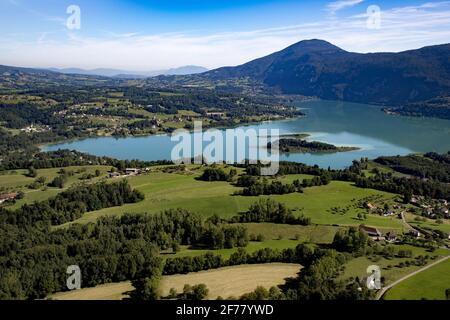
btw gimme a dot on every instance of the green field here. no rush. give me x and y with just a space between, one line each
429 284
18 181
226 253
330 208
173 190
322 234
390 269
428 224
166 188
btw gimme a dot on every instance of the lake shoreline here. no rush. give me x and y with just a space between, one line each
42 146
365 131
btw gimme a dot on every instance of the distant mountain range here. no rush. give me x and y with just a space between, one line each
318 68
116 73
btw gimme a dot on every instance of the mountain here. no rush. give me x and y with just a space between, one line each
124 74
17 77
185 70
95 72
319 68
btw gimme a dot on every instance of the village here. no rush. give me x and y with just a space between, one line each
431 208
419 206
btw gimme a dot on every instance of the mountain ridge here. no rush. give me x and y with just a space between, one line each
319 68
117 73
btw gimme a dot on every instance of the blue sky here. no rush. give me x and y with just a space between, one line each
151 35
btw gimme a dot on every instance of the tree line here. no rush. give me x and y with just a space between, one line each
254 186
432 188
268 210
71 204
68 158
405 186
217 174
429 166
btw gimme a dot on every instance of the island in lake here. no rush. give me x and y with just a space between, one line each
297 144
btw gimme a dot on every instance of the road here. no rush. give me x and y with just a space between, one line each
385 289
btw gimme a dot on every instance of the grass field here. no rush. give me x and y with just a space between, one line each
428 224
226 253
245 279
16 180
429 284
313 233
357 267
172 190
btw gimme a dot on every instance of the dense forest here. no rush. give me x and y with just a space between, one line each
33 259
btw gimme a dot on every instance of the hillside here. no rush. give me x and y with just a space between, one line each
318 68
28 78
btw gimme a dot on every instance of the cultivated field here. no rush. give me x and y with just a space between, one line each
110 291
224 282
233 281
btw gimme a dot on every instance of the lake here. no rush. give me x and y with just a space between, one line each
335 122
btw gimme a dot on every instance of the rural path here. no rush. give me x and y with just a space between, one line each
405 222
385 289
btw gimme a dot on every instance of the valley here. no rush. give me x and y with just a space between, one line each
327 211
88 179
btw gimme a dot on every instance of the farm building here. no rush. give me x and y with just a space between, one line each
370 231
132 171
7 196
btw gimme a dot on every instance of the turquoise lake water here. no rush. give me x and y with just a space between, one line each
339 123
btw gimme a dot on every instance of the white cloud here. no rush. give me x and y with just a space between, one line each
401 29
336 6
